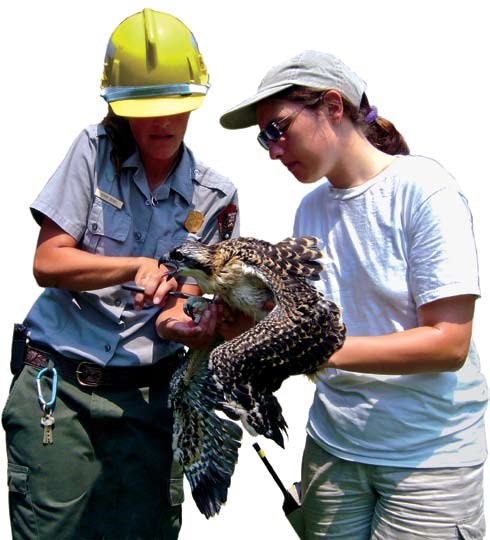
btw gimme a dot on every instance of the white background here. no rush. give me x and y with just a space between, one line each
426 66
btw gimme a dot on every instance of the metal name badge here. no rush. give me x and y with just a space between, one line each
108 198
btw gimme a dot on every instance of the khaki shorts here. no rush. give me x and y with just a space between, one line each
109 472
345 500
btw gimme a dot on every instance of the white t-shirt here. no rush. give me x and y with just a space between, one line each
399 241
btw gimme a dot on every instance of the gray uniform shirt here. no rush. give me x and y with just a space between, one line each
116 215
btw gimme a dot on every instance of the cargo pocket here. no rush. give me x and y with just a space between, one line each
472 528
176 484
21 509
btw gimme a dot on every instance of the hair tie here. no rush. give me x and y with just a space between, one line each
371 115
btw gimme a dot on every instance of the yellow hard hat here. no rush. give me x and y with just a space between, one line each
153 67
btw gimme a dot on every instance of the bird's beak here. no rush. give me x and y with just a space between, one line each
172 267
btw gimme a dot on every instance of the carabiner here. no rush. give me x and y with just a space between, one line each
47 405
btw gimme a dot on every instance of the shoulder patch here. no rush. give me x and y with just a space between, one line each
226 221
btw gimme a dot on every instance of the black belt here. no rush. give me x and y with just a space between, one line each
90 374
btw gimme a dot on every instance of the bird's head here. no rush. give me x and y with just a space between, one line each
192 259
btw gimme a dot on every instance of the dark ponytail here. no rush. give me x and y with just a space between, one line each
380 132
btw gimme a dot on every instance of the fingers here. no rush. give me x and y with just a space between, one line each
156 283
194 336
162 288
207 324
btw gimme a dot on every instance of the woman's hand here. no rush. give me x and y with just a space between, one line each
174 325
155 280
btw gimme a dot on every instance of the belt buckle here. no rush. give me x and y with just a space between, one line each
89 374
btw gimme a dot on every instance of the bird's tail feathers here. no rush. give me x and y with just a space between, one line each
205 444
210 477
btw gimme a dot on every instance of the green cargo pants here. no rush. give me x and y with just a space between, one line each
109 473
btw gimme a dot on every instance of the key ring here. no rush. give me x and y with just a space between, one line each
47 405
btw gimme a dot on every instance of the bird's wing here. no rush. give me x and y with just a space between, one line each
299 256
240 376
205 443
250 367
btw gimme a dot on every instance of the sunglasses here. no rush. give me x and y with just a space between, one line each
275 129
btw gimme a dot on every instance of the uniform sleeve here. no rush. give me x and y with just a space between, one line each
225 224
67 197
221 209
442 254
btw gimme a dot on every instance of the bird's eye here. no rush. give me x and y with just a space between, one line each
177 256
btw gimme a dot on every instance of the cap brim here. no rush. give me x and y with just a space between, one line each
243 115
156 106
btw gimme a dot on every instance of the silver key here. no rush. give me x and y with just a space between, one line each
47 422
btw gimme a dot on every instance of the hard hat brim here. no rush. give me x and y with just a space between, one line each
156 106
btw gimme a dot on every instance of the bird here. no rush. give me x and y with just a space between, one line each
216 392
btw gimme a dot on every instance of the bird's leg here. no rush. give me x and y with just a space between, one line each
195 306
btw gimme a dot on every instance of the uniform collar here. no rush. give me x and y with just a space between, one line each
180 180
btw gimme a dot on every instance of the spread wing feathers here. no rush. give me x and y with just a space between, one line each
294 256
238 377
205 444
288 342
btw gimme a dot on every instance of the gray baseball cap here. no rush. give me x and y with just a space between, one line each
311 69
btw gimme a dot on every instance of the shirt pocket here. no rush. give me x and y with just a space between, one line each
107 230
20 500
